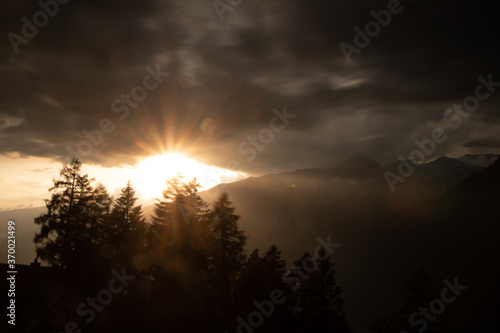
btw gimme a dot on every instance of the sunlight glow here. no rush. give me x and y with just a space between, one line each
34 176
151 174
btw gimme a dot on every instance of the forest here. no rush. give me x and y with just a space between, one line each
191 263
185 270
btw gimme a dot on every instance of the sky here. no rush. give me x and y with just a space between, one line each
255 87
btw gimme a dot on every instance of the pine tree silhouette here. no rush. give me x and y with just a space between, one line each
225 257
73 223
126 229
320 307
177 252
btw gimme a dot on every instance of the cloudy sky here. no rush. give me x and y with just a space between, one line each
227 79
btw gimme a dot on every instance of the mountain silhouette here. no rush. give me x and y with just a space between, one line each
381 245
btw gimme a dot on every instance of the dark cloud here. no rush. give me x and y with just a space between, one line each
483 143
226 78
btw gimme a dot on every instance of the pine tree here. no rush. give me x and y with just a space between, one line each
226 256
272 257
127 227
250 281
71 227
178 255
260 277
180 220
320 307
196 214
99 206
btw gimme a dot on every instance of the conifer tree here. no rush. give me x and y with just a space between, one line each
226 256
320 307
72 225
261 277
127 227
250 281
180 221
272 257
177 252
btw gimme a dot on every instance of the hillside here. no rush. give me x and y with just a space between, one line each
384 237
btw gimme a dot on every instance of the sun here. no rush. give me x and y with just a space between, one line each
168 165
151 174
154 171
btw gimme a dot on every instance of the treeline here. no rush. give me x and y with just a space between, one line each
185 270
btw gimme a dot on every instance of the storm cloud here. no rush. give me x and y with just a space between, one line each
225 79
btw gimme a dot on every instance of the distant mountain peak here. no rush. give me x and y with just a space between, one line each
445 161
358 168
366 161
